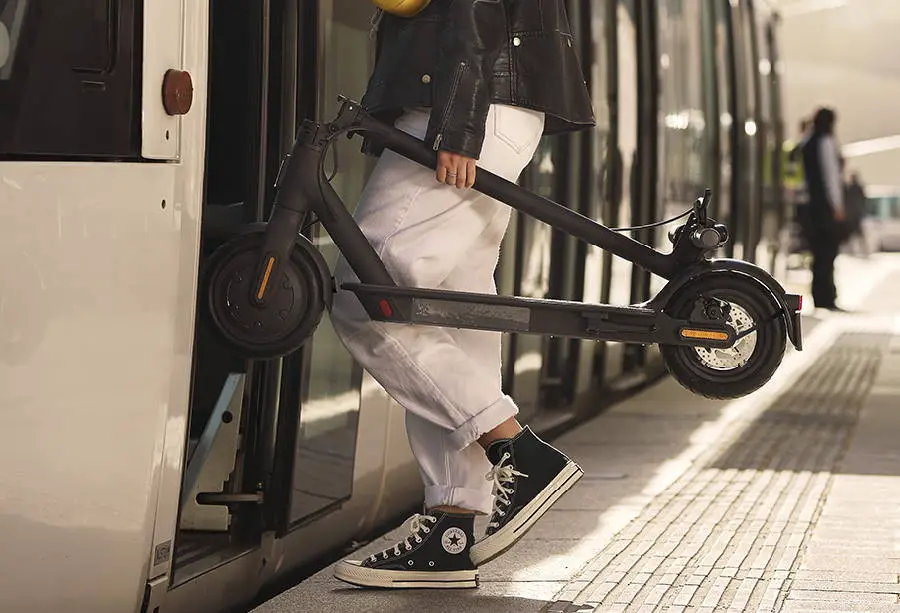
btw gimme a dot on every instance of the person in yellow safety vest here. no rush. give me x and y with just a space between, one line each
794 181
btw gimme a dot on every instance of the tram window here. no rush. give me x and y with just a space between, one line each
87 43
67 85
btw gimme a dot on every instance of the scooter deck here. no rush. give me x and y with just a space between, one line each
628 324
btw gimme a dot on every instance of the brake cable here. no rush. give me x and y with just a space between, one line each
655 224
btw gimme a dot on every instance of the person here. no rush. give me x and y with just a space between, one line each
855 199
822 173
480 82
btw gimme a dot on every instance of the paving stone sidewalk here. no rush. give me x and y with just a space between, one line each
739 530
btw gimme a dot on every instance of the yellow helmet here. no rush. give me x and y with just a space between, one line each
401 8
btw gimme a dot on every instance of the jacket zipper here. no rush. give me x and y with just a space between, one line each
457 75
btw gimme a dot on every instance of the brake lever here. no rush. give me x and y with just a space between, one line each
700 207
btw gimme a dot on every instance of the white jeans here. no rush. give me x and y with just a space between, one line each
434 235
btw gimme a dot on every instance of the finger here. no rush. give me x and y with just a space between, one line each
460 173
452 171
440 172
470 173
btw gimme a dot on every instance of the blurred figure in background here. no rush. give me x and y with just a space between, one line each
855 201
822 175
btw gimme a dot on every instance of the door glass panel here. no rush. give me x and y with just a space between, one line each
527 273
768 137
750 175
326 439
596 187
563 356
620 213
684 128
619 209
597 204
723 205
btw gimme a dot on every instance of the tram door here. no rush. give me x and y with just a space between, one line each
272 442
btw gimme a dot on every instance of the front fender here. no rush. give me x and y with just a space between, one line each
790 303
304 244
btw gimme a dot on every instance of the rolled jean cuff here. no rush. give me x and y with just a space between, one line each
481 501
484 421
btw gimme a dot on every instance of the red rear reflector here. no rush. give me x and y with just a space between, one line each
385 308
800 303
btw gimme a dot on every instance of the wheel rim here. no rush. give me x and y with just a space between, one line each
737 355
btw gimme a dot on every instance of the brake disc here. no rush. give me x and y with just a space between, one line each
737 355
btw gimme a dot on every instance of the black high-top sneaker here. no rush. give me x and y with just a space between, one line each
435 554
529 477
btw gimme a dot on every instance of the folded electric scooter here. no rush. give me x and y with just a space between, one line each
721 324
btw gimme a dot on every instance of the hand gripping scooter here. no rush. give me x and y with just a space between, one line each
722 324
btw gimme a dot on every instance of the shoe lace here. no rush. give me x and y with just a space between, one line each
416 525
501 474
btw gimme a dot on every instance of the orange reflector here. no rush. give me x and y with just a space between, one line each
262 287
704 334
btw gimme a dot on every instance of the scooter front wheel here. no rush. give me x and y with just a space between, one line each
290 314
751 361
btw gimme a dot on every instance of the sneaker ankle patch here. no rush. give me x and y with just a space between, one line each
454 540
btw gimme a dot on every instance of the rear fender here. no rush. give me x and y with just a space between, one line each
790 304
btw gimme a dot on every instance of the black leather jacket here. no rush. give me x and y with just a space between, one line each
459 56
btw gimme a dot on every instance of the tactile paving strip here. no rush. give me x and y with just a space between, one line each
726 536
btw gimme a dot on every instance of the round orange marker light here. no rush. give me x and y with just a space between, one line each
177 92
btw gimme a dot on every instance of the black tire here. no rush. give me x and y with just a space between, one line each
292 312
685 364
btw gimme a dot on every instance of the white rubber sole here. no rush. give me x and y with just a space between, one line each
492 546
350 571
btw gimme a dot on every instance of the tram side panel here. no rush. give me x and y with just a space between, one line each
98 275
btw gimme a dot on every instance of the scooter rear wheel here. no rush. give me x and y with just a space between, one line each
290 314
751 361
